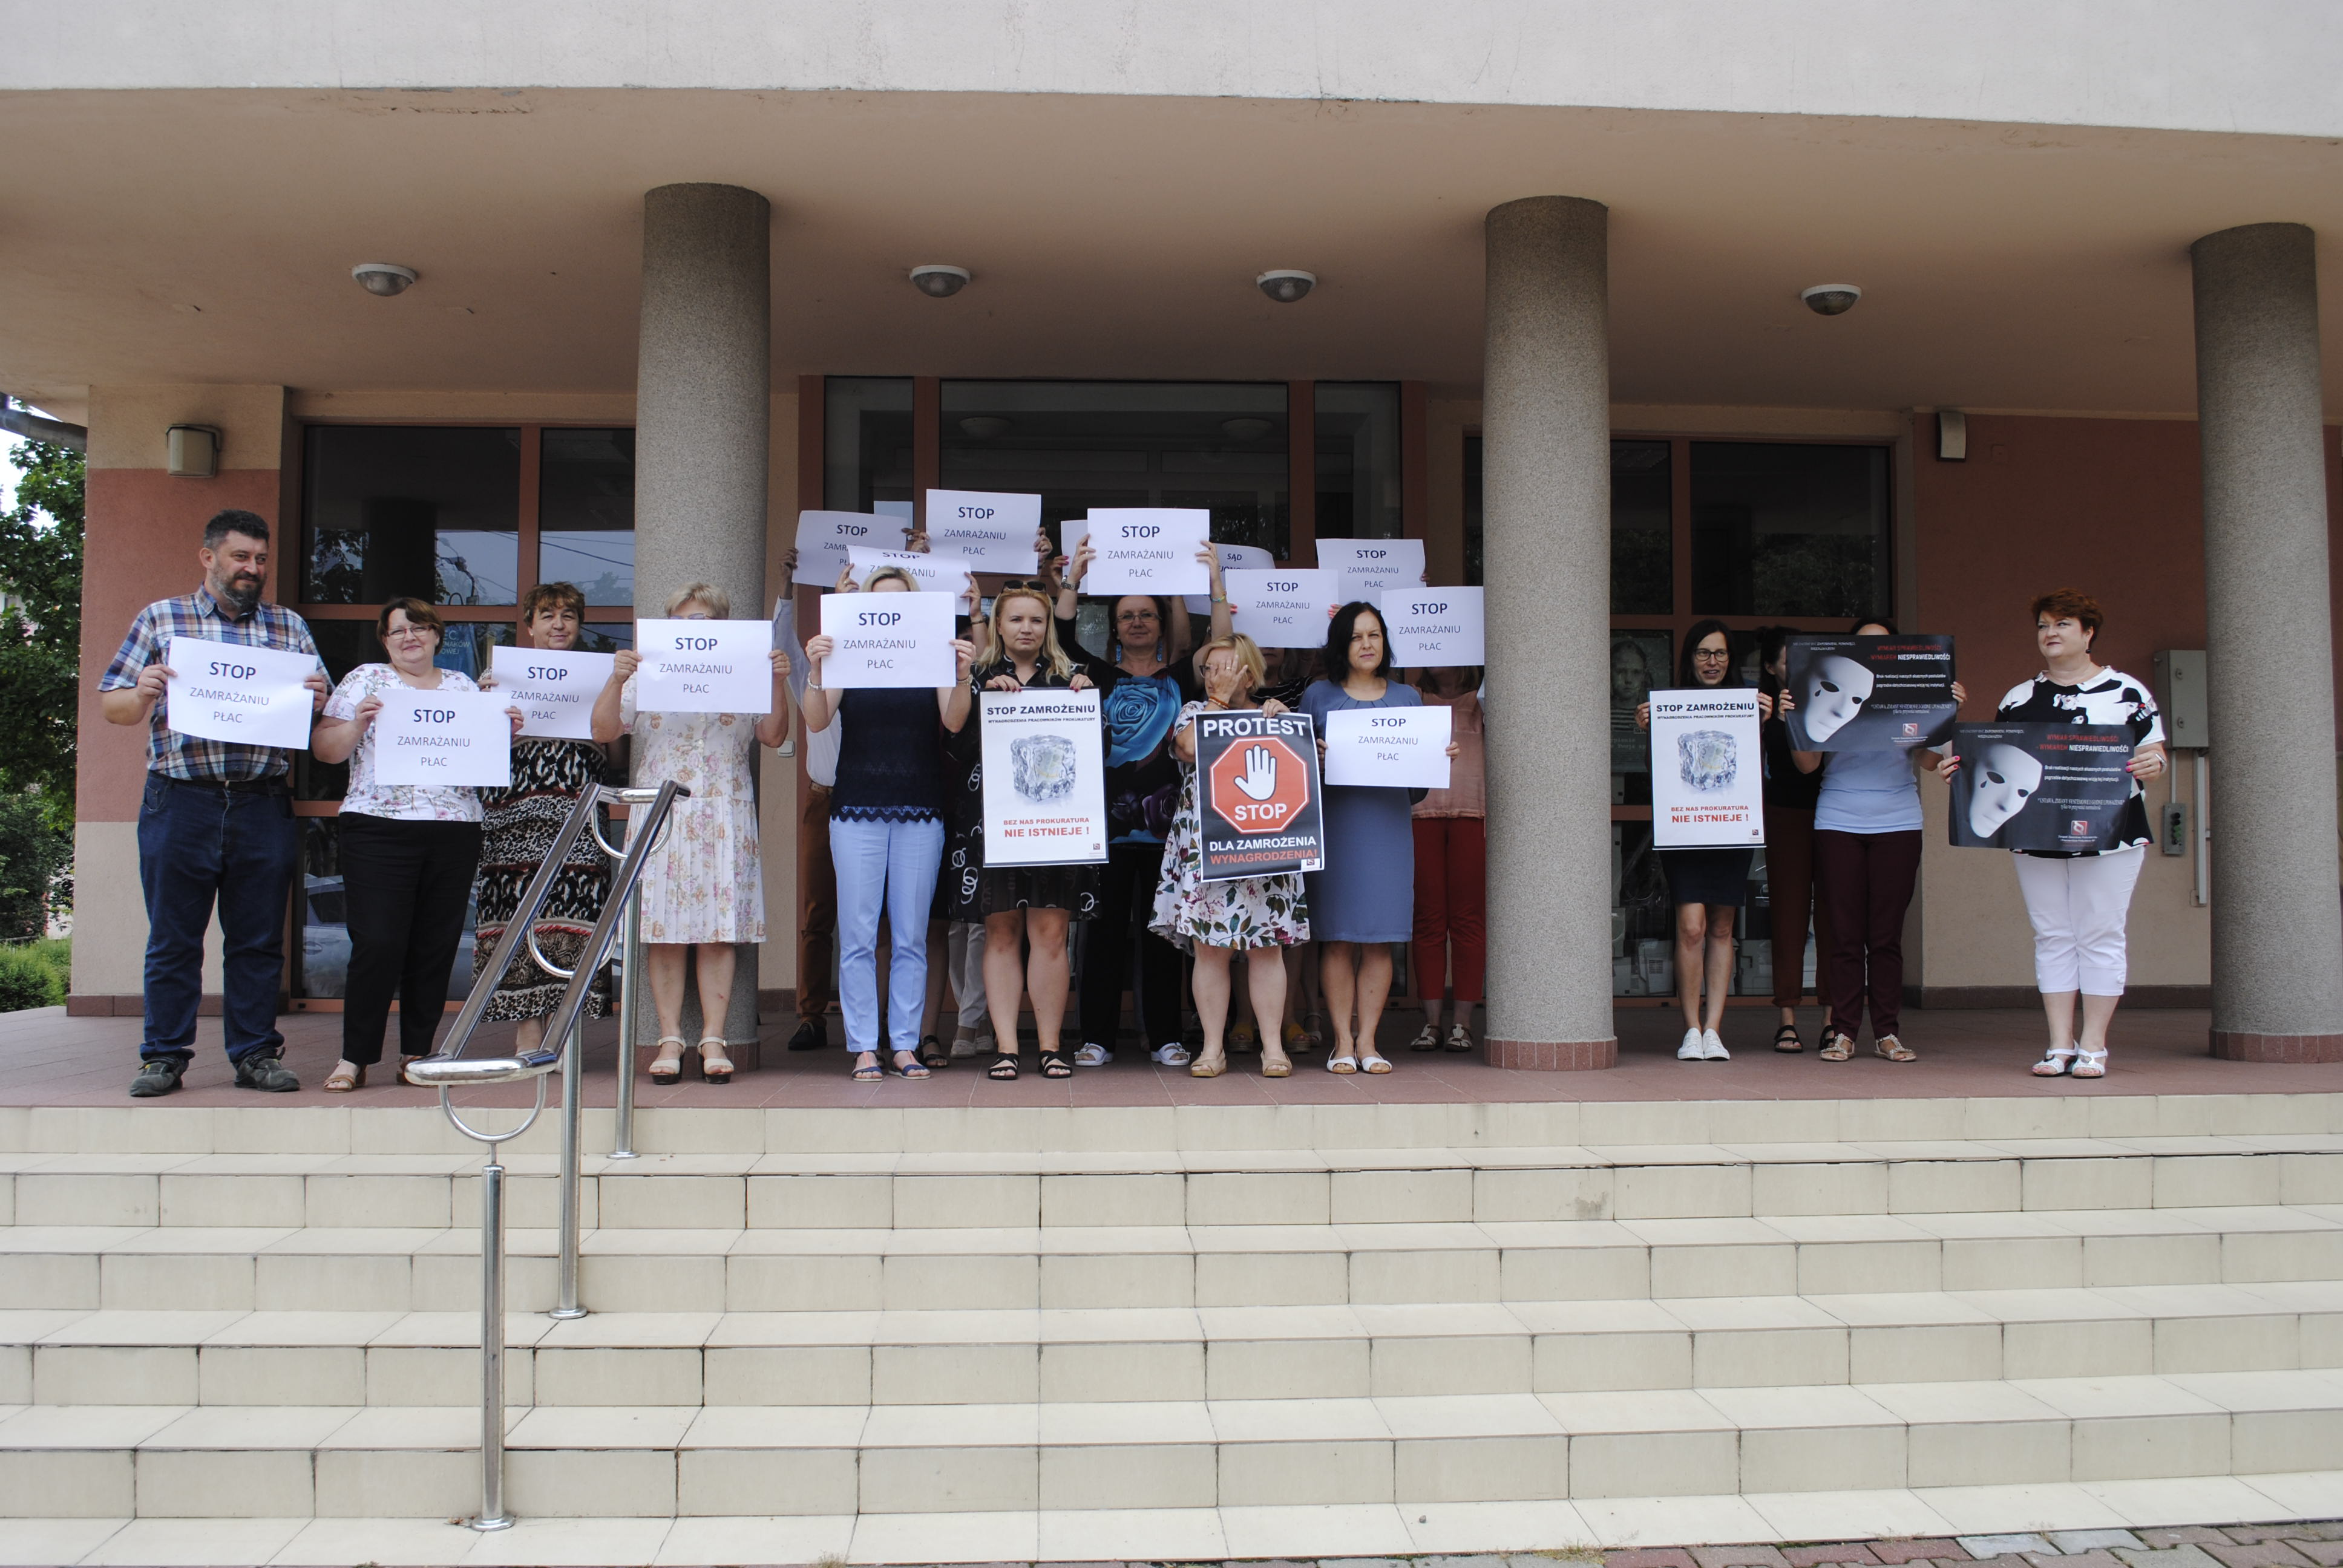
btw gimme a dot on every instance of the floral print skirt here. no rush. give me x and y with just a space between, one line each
1257 912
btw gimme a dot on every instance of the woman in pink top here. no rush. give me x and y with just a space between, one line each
1452 939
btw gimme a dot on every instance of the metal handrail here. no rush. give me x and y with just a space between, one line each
448 1069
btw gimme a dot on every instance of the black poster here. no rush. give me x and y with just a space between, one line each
1257 795
1870 693
2040 786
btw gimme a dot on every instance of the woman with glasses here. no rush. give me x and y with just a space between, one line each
1706 886
703 890
886 839
1144 686
407 854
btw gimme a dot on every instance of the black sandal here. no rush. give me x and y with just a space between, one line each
1003 1069
933 1054
1787 1041
1057 1064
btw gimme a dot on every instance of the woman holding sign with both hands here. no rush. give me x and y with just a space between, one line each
407 854
703 887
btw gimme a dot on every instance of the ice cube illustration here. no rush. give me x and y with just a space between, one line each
1708 760
1045 767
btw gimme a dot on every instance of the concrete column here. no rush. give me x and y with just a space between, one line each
2278 930
1546 424
702 423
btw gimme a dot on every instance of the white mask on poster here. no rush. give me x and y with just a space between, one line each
1834 692
2005 780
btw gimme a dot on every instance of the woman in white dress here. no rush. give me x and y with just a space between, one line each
701 889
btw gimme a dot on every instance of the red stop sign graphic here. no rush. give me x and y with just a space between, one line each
1260 786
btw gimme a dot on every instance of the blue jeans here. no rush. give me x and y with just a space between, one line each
198 844
891 865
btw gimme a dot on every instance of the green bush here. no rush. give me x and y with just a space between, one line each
27 978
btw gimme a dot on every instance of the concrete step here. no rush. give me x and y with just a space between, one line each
1133 1355
654 1462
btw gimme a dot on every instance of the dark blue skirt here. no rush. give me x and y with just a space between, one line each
1706 876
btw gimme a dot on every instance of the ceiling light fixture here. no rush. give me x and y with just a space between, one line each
384 279
938 281
1286 284
1831 298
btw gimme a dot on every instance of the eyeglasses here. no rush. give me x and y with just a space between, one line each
1710 655
1007 583
1132 617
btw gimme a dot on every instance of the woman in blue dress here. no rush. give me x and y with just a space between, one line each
1364 900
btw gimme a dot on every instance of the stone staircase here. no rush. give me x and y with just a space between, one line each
273 1312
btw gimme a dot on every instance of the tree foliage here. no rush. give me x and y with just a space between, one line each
40 631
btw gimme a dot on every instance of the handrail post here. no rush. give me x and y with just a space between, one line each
630 967
573 1101
492 1515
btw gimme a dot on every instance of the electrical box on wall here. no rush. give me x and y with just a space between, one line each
2180 693
2174 835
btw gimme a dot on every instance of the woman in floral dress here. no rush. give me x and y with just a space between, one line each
518 827
1260 917
702 888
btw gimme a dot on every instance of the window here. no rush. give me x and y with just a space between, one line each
1358 488
586 513
411 511
866 443
1785 530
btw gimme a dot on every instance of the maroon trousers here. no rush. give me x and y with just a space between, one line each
1866 881
1451 937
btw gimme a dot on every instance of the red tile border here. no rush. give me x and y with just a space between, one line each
1553 1055
2237 1045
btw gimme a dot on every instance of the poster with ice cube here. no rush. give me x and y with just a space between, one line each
1044 778
1708 789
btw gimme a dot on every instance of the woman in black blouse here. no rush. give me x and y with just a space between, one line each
886 838
1790 795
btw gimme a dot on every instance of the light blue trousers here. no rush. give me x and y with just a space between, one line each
890 866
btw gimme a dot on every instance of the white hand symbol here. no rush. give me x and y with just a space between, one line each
1260 780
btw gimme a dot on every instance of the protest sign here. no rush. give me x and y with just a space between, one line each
992 533
704 665
1391 748
231 691
1363 568
889 639
824 538
1287 607
1044 778
2037 786
1257 795
1148 549
1234 558
445 737
1869 693
553 691
1430 628
1707 770
934 574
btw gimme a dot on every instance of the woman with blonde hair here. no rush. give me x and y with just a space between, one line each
702 888
1259 917
1019 904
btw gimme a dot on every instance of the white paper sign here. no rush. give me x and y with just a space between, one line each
1071 535
227 692
887 639
824 537
704 666
1707 770
445 737
1395 748
1148 549
555 690
934 574
1363 568
992 533
1234 558
1285 608
1428 628
1044 778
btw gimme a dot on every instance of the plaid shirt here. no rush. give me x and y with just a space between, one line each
199 614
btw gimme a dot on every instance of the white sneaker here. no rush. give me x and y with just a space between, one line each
1693 1049
1713 1048
1093 1056
1172 1055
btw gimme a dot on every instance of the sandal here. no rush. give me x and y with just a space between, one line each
673 1064
1891 1049
1427 1039
933 1053
1374 1064
869 1071
345 1076
1242 1039
1209 1065
1004 1067
1788 1040
1837 1046
1313 1028
915 1069
2055 1063
404 1063
1057 1064
716 1068
1296 1038
1281 1068
2090 1064
1345 1063
1459 1038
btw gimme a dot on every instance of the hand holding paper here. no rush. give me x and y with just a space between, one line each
229 691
